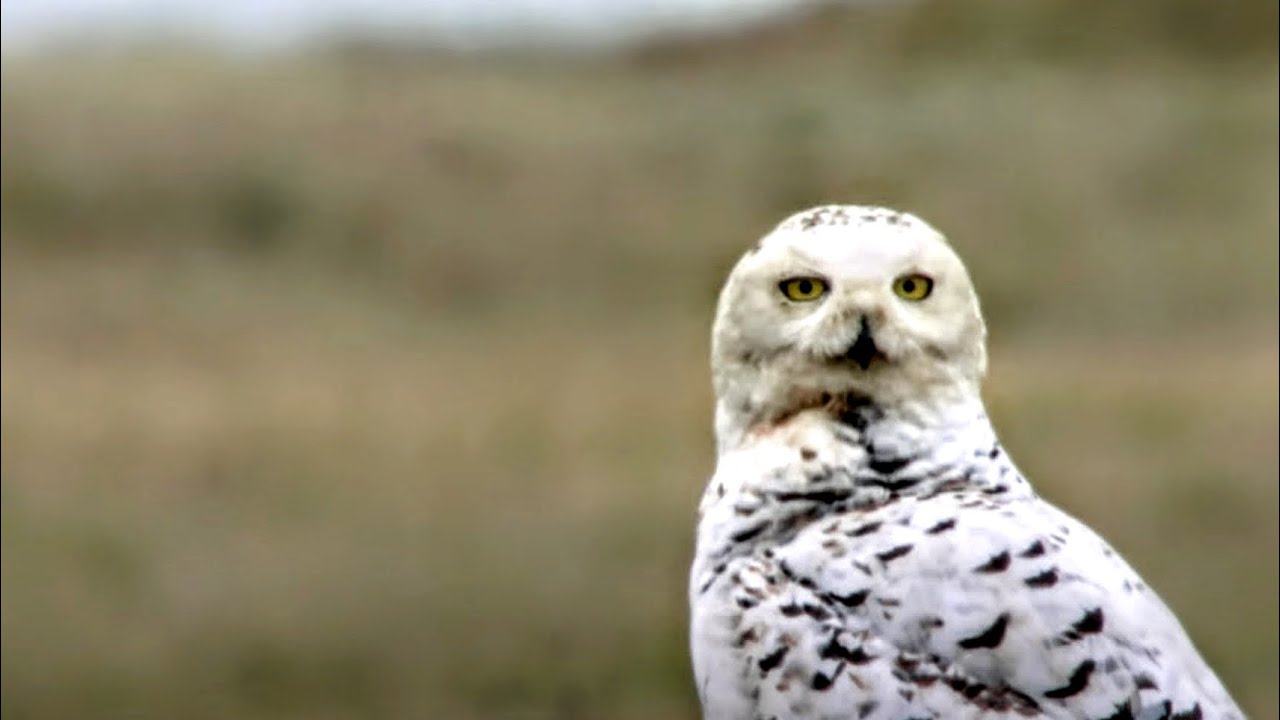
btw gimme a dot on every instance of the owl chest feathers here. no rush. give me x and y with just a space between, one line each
840 461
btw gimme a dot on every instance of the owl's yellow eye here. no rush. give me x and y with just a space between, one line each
913 287
803 289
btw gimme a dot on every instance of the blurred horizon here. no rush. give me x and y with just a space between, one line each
284 25
368 378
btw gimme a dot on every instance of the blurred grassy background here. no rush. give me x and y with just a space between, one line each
371 381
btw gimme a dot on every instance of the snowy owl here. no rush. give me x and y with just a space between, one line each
866 548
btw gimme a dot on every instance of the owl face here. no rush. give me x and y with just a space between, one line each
846 298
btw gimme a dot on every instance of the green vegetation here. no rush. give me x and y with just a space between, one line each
372 382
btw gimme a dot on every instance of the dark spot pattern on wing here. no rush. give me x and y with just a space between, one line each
835 650
887 466
1035 549
1091 622
773 659
865 529
823 682
822 497
942 526
997 563
1048 578
1192 714
852 600
893 553
1076 684
893 486
815 611
749 533
989 638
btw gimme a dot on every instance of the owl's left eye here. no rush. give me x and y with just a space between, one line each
913 287
803 289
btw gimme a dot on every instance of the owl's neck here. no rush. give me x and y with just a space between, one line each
872 449
850 454
923 411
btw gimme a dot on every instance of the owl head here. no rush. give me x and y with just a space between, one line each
844 300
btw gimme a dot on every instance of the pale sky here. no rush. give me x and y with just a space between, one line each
274 23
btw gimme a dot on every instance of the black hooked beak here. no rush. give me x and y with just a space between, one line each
863 350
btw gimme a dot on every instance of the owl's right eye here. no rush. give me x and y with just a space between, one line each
803 289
